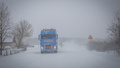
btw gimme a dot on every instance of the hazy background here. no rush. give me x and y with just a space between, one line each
71 18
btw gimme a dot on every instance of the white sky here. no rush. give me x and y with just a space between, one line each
71 18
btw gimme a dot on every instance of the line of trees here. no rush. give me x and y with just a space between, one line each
113 42
22 30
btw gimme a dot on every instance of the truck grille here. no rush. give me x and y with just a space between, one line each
48 47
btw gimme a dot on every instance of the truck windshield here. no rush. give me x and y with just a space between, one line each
47 36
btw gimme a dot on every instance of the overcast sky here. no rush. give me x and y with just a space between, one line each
71 18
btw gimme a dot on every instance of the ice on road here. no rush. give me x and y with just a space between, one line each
70 55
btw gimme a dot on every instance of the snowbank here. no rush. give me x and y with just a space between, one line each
11 51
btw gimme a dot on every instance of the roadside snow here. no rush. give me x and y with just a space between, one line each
70 55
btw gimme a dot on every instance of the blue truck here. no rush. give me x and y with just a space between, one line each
48 40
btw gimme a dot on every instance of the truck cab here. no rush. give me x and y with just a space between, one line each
48 40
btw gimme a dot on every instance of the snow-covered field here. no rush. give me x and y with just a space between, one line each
70 55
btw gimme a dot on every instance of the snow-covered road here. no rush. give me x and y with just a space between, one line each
70 55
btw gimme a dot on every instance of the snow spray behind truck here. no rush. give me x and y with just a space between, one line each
48 40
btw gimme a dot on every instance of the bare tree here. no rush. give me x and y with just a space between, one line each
114 28
22 30
4 24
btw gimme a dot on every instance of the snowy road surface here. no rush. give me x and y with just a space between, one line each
70 55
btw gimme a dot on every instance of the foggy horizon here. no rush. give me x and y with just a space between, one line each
71 19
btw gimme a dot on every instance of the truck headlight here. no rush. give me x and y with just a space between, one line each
54 47
41 48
